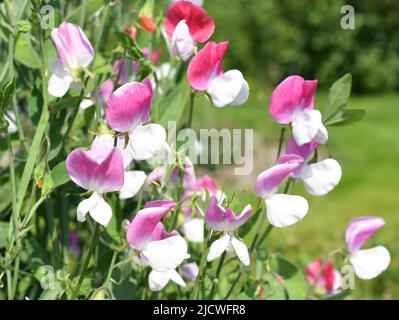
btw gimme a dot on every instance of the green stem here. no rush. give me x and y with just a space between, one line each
93 243
191 109
219 268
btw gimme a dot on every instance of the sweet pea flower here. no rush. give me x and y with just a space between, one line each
224 220
293 102
128 110
185 25
75 52
198 3
320 177
163 252
329 280
133 180
131 31
205 73
148 23
367 263
282 209
97 173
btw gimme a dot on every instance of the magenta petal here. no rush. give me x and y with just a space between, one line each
234 221
205 183
360 229
110 173
73 47
215 216
143 224
159 233
200 25
269 180
292 95
85 171
166 204
206 64
129 106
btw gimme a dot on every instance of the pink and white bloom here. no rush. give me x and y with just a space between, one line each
205 73
185 25
164 252
97 173
319 178
282 209
128 111
293 102
75 52
224 220
367 263
133 179
330 279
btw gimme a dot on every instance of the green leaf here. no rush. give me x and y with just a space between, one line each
3 233
346 117
60 175
338 95
25 53
91 7
6 94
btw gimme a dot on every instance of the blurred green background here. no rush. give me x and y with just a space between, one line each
272 39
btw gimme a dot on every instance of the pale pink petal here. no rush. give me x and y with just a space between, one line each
129 106
234 221
268 181
292 95
206 65
105 91
73 47
360 230
215 216
159 233
304 151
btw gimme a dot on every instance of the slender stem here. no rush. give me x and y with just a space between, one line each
191 109
111 267
280 142
219 268
93 243
202 266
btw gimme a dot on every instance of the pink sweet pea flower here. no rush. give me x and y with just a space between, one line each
205 73
293 102
98 173
74 51
155 55
185 25
163 251
329 280
282 209
133 180
367 263
224 220
318 178
128 110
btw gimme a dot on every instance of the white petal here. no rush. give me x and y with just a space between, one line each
60 80
134 180
158 280
166 254
12 122
226 88
86 205
146 141
193 229
307 126
321 177
87 102
370 263
181 43
218 247
241 250
175 277
284 210
242 96
101 212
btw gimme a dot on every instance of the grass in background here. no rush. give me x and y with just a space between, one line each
369 154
